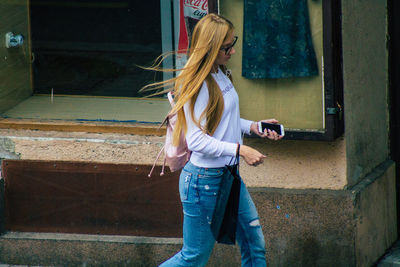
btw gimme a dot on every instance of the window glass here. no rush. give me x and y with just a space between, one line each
94 47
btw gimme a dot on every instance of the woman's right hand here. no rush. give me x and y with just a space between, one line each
251 156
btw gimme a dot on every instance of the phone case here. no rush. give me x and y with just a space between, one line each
281 128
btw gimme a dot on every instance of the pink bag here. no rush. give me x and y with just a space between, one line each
175 156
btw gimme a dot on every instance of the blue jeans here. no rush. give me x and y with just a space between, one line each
198 188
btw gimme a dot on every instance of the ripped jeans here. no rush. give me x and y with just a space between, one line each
198 189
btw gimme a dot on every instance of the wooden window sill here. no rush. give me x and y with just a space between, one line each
90 127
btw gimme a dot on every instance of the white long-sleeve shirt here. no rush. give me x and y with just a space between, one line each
217 150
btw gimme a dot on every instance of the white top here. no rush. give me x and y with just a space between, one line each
217 150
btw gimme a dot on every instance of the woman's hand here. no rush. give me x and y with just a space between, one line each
251 156
267 133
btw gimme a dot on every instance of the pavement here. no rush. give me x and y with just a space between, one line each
390 259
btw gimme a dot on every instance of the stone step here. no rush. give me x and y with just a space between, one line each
55 249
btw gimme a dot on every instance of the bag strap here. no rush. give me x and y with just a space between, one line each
154 164
172 103
236 158
171 99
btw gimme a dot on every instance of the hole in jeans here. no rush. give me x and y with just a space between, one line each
255 223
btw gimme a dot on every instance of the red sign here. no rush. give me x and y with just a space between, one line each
195 9
190 12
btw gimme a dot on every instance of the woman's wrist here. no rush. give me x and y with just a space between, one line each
242 150
253 127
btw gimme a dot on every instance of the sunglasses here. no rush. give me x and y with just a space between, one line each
229 48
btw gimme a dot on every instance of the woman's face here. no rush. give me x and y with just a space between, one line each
226 50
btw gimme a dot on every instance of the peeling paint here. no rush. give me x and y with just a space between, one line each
7 149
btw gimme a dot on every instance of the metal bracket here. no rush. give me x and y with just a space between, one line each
335 110
332 111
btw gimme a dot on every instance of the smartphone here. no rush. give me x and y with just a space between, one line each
278 128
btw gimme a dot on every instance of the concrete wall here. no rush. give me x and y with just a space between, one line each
301 228
365 79
376 214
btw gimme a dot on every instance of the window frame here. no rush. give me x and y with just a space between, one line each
333 77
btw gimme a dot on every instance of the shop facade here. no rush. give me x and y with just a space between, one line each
326 193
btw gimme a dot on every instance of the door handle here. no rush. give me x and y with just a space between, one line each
14 40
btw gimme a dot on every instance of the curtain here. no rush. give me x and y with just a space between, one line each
277 40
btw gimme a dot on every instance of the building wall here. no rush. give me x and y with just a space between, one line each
290 164
301 227
365 78
304 227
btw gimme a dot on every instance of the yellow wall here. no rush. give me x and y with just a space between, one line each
295 102
15 74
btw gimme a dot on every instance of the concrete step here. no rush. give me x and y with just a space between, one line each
392 257
55 249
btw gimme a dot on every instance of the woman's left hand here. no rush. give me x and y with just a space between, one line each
272 135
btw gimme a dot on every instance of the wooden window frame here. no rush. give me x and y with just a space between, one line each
333 77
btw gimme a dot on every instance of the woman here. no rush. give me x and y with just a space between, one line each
208 112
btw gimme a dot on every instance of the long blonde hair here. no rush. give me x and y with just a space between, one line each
208 36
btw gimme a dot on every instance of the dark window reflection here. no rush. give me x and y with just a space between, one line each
92 47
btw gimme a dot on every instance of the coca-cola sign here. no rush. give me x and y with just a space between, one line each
195 9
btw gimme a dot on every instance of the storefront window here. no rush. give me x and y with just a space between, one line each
81 59
94 47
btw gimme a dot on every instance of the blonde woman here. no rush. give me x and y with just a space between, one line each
208 113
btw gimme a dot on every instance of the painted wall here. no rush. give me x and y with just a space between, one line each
365 70
15 75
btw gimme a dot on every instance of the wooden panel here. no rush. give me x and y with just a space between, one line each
15 63
91 198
